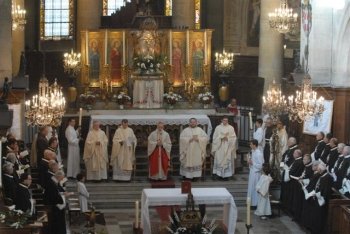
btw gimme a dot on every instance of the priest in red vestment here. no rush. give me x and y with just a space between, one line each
159 147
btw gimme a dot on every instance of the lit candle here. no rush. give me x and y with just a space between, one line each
188 46
250 121
124 48
106 42
80 115
205 47
170 48
248 211
87 47
136 214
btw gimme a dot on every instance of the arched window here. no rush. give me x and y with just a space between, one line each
111 6
168 7
56 19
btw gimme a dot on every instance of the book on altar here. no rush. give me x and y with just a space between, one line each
186 186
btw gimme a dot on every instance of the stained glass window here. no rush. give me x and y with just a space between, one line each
197 10
56 19
168 7
111 6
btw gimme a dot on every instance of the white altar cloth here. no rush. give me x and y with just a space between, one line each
173 196
153 120
148 91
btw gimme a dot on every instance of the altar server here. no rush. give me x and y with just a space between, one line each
224 149
255 161
193 144
95 153
123 152
72 135
259 134
83 193
262 187
159 148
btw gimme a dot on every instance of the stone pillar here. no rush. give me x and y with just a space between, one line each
183 14
89 14
270 46
5 40
17 44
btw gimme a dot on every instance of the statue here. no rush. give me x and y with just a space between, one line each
22 65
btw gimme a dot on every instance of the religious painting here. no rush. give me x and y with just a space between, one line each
253 25
115 57
322 122
94 57
197 57
177 55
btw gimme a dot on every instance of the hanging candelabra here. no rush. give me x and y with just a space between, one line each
47 107
224 62
283 19
72 62
274 104
18 17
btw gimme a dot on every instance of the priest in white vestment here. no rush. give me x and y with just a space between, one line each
256 161
95 153
224 149
282 143
259 134
123 152
159 148
73 162
193 144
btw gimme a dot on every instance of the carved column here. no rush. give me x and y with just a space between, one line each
183 14
5 40
17 43
271 46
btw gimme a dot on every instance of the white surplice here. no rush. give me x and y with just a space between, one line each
73 162
192 154
262 187
123 153
257 158
152 144
96 156
83 196
259 136
224 151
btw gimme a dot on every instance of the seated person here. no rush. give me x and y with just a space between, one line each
9 183
23 198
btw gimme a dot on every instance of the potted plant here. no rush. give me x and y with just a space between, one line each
123 99
171 98
206 99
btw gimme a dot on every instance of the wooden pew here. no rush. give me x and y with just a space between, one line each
335 213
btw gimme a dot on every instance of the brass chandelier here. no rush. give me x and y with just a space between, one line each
224 62
282 19
274 104
72 62
47 107
18 17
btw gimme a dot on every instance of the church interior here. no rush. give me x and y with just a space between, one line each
174 116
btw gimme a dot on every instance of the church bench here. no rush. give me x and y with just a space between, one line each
335 214
73 208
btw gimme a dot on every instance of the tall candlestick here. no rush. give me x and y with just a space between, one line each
250 121
87 47
205 48
106 42
248 211
80 115
188 47
136 214
170 48
124 48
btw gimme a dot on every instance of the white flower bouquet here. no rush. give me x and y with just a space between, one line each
149 64
171 98
205 98
123 98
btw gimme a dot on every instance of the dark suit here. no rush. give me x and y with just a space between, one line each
9 186
43 167
41 145
22 198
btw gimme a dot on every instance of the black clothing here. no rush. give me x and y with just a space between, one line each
41 145
43 167
22 198
268 135
342 171
319 149
295 195
325 153
9 186
332 158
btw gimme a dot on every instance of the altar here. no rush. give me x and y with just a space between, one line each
148 91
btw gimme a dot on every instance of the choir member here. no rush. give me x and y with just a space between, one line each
262 187
333 154
9 183
282 143
327 148
339 159
308 169
259 134
95 153
42 142
44 166
341 172
319 147
82 192
159 148
224 149
53 167
12 159
123 152
255 161
72 136
193 144
23 198
267 135
52 133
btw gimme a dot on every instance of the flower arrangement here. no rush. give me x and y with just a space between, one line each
205 227
14 218
123 98
205 98
87 100
149 64
171 98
